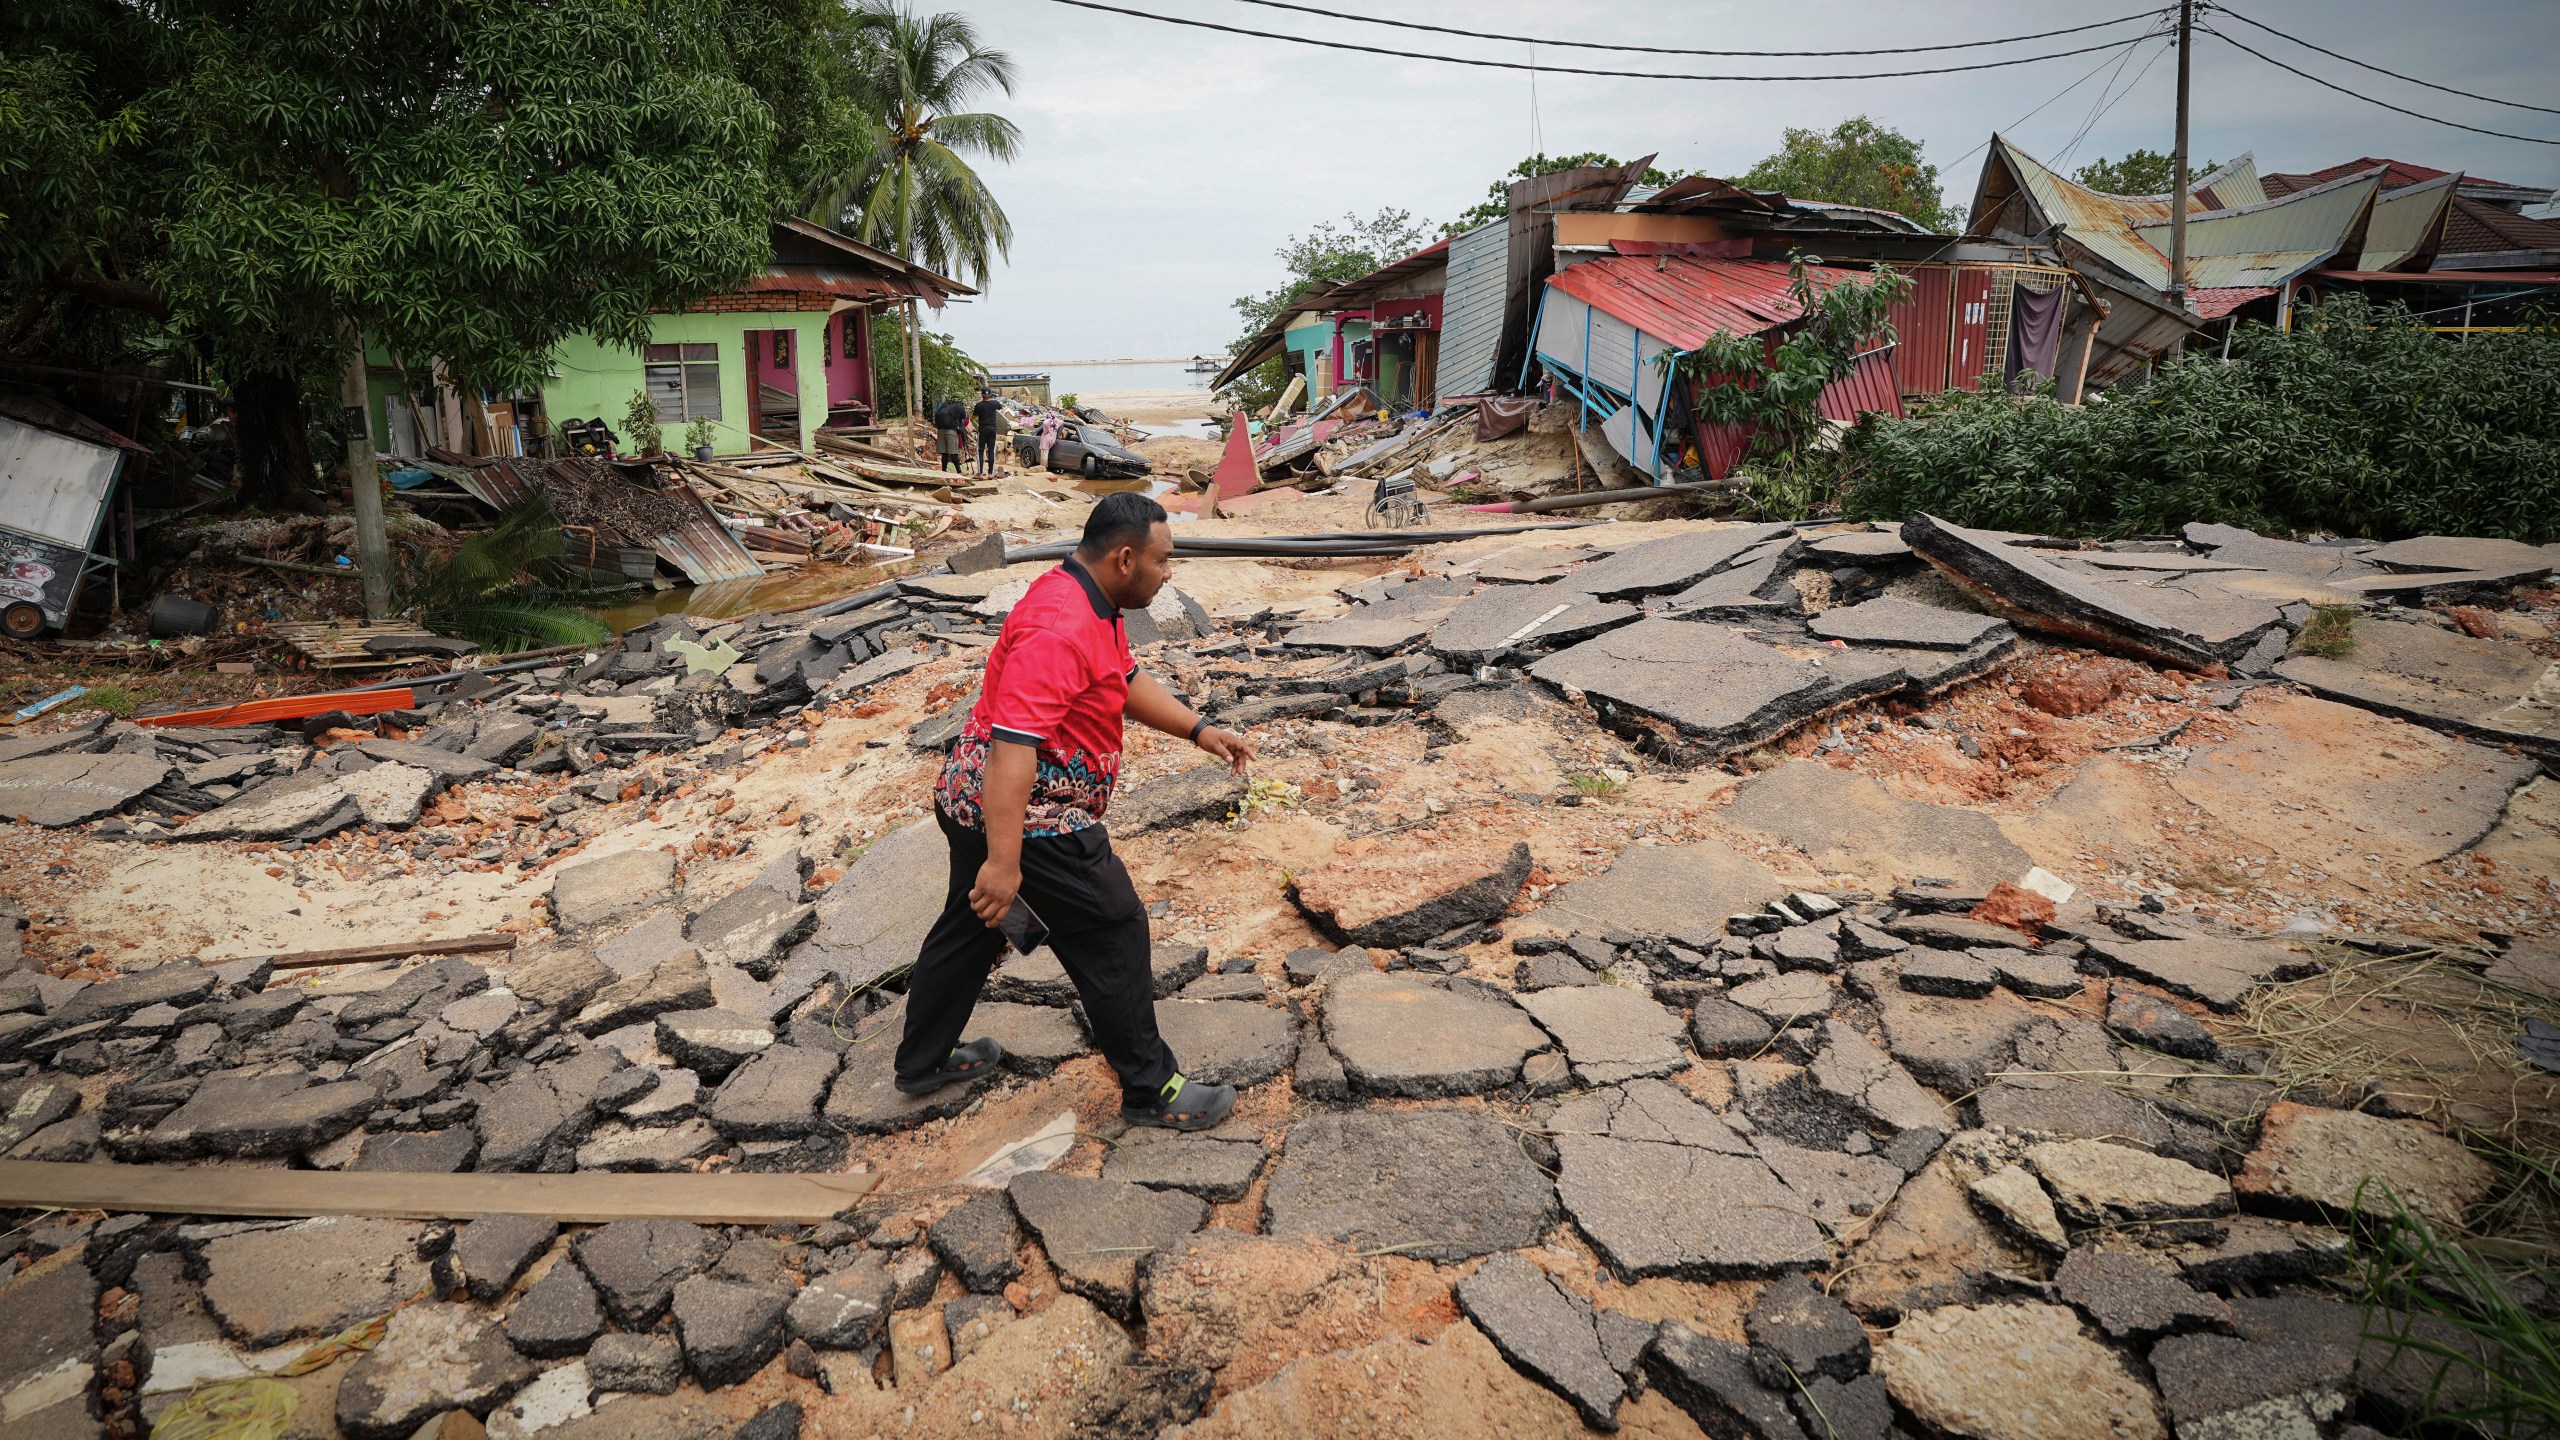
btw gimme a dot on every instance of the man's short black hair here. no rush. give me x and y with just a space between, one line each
1123 518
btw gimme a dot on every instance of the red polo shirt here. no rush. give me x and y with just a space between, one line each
1057 679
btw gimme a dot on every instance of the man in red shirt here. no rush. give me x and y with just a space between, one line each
1021 802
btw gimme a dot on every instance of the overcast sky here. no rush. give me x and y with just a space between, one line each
1162 165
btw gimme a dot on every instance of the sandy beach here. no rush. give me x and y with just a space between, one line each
1150 407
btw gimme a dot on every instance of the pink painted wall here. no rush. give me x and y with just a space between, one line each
848 376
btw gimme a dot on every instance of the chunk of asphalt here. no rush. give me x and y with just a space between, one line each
1440 1185
636 1263
2135 1297
493 1250
2152 1022
729 1329
1400 1035
1798 1331
1713 1381
1097 1231
977 1239
557 1315
1961 974
844 1309
1548 1333
1217 1170
1722 1030
432 1358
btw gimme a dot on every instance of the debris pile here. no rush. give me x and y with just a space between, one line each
1588 1082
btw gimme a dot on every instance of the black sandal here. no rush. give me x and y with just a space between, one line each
1184 1105
967 1062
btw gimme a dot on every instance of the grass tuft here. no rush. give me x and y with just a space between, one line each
2331 633
2491 1363
114 699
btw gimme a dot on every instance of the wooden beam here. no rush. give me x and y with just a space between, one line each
358 955
591 1197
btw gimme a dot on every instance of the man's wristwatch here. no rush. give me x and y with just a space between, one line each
1196 727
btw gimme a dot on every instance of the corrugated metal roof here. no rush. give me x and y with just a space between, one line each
1471 309
2273 241
2214 304
2406 222
2445 277
808 236
2103 223
699 546
1434 254
1684 301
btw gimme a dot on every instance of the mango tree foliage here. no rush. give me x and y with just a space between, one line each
469 183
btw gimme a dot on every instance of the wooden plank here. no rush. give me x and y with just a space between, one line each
359 954
587 1198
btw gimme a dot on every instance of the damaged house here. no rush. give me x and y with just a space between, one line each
2452 247
769 364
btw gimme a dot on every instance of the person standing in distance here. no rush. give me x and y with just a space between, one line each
989 415
1021 803
950 418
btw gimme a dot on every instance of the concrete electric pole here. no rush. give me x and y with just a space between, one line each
2178 159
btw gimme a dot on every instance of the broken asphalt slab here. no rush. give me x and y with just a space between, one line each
1657 890
1673 562
1403 1035
1702 691
874 919
58 790
1441 1185
1501 618
1846 822
2038 594
2480 689
1408 892
1901 623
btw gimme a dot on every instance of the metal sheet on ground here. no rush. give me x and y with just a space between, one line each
588 1198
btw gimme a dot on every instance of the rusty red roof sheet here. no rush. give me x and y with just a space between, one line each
1686 301
2214 304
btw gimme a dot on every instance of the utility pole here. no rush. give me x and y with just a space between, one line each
364 481
2178 196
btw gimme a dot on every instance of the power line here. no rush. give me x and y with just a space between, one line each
2030 115
1570 70
2369 65
2097 107
2369 100
1673 50
2101 112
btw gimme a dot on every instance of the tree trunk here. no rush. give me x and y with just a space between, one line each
364 481
915 360
275 452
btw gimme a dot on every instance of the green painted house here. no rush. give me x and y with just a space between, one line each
767 365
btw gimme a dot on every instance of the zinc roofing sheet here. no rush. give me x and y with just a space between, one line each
1685 301
2403 220
2269 243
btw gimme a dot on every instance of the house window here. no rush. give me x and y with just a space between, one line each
684 381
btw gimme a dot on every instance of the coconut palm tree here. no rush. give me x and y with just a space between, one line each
917 194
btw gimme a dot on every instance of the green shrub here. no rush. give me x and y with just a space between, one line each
2359 421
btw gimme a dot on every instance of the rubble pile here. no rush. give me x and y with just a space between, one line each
1568 1119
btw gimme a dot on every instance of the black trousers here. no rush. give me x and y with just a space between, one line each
987 453
1097 928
